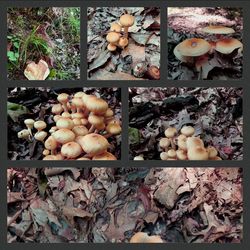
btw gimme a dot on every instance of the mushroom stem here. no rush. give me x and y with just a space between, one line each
65 108
92 129
126 32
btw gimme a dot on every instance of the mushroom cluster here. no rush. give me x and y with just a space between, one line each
185 146
196 50
83 123
118 34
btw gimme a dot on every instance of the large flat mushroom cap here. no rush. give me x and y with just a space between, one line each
218 29
193 47
180 57
227 46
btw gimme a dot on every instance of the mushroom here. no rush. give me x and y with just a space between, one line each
113 38
116 27
95 121
71 150
194 142
197 153
64 123
78 103
104 156
141 237
63 99
96 105
170 133
227 46
181 155
38 71
218 30
40 125
171 153
164 143
126 21
51 144
40 135
29 124
57 109
93 144
182 142
24 134
123 42
66 115
212 152
111 47
80 130
164 156
187 131
153 73
113 129
63 135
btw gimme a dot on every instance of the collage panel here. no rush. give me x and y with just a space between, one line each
205 43
186 123
123 43
64 123
125 205
43 43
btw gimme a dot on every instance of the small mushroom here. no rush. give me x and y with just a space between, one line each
126 21
29 124
71 150
111 47
64 123
63 99
197 154
227 46
24 134
123 42
113 129
40 125
116 27
40 135
141 237
63 135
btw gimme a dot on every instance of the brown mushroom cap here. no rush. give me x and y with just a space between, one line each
57 109
116 27
113 37
40 125
95 119
197 154
194 142
227 46
193 47
64 122
181 155
93 144
62 98
50 143
80 130
212 152
171 153
77 102
141 237
127 20
164 156
77 115
181 57
164 142
114 128
218 29
111 47
109 113
104 156
64 135
123 42
170 132
187 130
66 115
79 94
96 105
71 150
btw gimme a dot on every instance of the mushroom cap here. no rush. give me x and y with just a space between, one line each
64 135
193 47
123 42
212 152
227 46
40 125
116 27
62 98
80 130
181 57
57 109
111 47
127 20
182 142
171 153
23 134
29 122
77 115
93 144
50 158
50 143
46 152
194 142
56 118
181 155
106 156
113 37
71 150
40 135
53 129
96 105
83 159
79 94
141 237
164 142
66 115
218 29
39 71
78 102
139 158
64 122
95 119
164 156
197 154
77 121
109 113
187 130
114 128
170 132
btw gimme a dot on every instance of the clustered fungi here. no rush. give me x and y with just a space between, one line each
83 124
185 146
118 35
196 50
